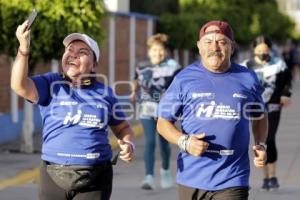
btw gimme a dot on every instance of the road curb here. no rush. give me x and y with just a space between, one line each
32 175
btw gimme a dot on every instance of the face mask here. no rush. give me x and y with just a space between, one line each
263 57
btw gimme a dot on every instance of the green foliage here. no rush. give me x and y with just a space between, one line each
273 24
248 19
182 29
55 20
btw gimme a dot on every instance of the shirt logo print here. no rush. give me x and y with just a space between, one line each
73 120
217 111
239 95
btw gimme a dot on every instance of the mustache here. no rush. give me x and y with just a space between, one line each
215 53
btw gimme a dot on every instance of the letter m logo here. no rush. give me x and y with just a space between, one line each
72 120
206 110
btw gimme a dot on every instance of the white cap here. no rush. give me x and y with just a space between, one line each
86 39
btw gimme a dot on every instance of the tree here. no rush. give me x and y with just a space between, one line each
154 7
55 20
248 19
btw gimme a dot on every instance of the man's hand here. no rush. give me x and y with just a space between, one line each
127 150
260 156
196 145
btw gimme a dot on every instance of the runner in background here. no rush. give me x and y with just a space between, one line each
153 76
276 78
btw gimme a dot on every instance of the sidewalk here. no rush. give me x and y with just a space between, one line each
288 144
128 177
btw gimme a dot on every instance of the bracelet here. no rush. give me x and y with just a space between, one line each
188 142
23 53
183 142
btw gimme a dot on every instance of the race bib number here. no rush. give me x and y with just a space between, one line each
148 109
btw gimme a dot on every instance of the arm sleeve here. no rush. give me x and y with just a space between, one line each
42 84
285 77
136 76
170 106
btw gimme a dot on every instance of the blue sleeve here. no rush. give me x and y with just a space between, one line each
42 84
117 114
170 106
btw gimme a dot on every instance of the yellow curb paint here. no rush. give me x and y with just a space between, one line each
26 176
32 175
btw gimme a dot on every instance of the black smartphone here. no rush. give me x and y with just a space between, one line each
31 18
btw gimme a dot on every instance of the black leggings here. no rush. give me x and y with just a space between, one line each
274 119
99 189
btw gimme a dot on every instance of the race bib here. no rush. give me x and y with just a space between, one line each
148 109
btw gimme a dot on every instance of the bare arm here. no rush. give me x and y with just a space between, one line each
123 131
260 129
168 130
125 136
260 133
20 82
196 145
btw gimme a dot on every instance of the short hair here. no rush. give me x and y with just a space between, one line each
159 38
261 40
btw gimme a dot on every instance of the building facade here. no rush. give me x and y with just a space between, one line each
291 8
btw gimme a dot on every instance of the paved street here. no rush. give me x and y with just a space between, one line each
128 176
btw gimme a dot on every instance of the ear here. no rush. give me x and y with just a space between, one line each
233 47
198 44
232 51
148 52
94 67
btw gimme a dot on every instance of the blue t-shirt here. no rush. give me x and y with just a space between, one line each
75 121
219 105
